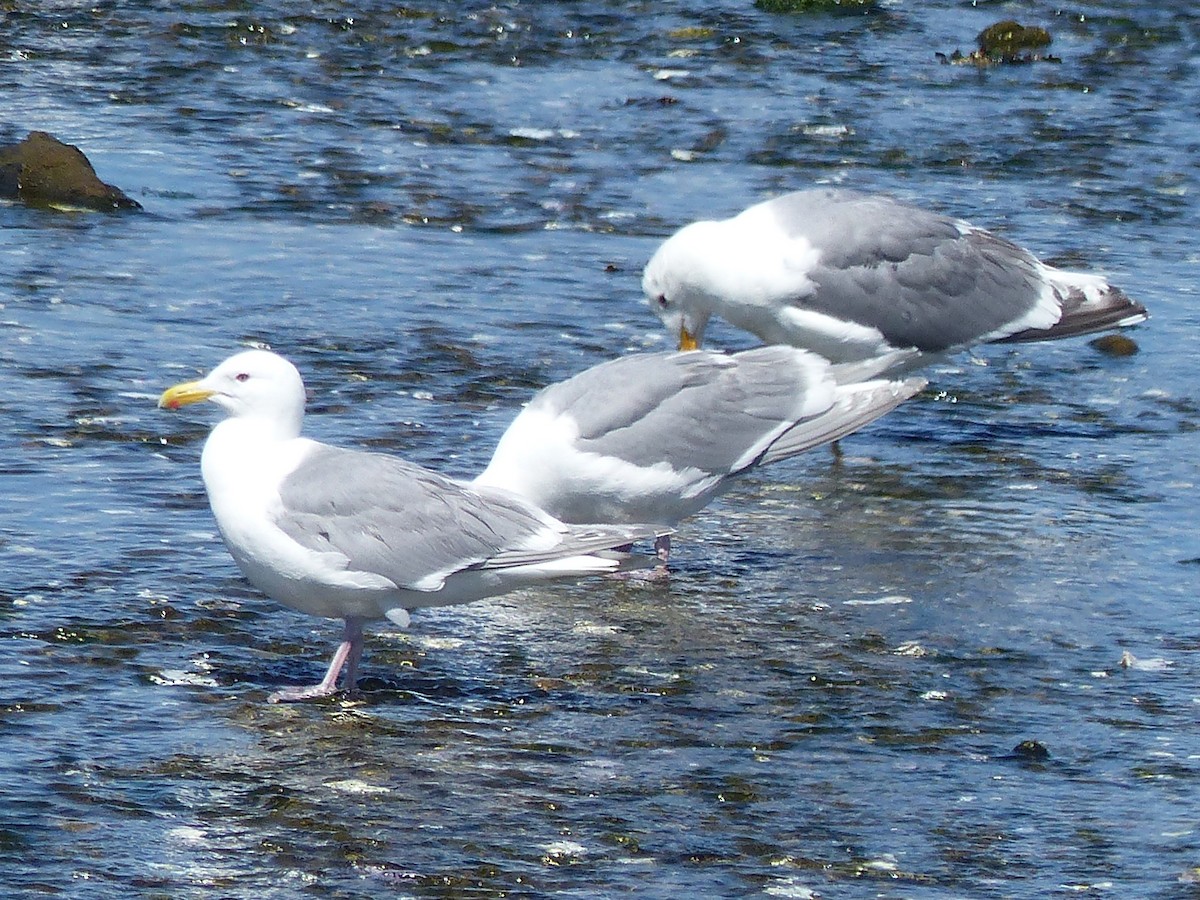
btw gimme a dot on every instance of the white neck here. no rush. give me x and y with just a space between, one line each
242 455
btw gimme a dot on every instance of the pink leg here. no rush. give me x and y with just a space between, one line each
662 549
348 653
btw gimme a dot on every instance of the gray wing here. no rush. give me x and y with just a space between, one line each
913 274
405 522
856 406
696 409
575 539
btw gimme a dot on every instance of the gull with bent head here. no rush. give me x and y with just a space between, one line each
358 536
654 437
855 276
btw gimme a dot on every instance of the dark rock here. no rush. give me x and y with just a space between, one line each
1115 345
43 171
1031 750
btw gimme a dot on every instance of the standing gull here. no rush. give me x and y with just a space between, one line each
653 437
855 276
357 536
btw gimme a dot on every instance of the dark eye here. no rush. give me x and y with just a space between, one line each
242 376
662 301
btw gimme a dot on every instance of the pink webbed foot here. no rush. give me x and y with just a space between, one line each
347 655
658 572
296 694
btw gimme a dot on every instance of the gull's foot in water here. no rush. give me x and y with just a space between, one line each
652 574
346 656
659 572
298 694
656 574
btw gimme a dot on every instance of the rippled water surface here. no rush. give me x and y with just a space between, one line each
435 209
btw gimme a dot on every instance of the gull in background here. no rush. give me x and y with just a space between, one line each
855 276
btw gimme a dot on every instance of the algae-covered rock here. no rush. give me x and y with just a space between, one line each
803 6
1009 38
1005 42
43 171
691 33
1115 345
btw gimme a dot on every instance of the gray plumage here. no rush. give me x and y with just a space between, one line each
393 518
654 437
851 275
917 276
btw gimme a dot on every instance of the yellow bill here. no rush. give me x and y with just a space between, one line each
183 395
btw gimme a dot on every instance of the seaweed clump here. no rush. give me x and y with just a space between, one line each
1005 42
805 6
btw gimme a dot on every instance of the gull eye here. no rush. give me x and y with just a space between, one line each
662 301
242 376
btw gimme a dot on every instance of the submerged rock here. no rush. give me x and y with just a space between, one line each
43 171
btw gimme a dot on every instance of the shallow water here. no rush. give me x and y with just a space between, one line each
436 209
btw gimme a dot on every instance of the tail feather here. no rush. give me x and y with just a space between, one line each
858 405
1088 303
581 542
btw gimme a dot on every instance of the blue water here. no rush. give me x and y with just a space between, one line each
436 209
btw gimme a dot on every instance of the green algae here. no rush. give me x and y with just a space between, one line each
807 6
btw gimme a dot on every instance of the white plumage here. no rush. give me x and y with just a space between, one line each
359 536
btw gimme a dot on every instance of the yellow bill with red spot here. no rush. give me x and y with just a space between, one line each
184 395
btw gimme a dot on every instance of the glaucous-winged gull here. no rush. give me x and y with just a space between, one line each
356 535
653 437
853 276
